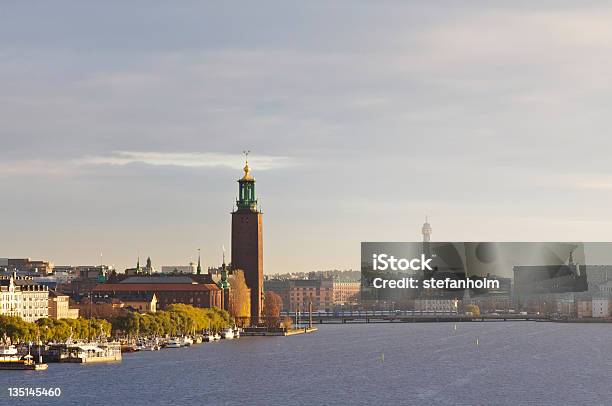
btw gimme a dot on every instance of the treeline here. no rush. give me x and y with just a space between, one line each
46 330
177 319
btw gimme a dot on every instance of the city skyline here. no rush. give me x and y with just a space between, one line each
361 121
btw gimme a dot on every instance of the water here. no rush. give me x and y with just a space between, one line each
514 363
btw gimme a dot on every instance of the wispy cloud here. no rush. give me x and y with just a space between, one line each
188 159
33 167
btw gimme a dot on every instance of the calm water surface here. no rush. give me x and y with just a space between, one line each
514 363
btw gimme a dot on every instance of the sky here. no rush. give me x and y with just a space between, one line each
122 126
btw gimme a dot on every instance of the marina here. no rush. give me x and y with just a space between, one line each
94 352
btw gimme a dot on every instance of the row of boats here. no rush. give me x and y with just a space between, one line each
14 358
155 344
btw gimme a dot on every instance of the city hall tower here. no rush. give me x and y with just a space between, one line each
247 240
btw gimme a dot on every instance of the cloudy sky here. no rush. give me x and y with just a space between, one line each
122 126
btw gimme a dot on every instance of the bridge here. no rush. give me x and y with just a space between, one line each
409 317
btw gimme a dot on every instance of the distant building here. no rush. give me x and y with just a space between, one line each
167 290
324 293
436 305
143 303
183 269
26 264
584 308
20 296
59 307
148 269
597 275
346 292
600 307
531 282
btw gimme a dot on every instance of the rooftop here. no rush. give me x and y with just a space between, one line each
154 287
158 280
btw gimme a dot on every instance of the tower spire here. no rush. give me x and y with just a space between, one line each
426 230
224 283
246 188
199 270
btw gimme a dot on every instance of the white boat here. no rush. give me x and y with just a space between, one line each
174 343
228 334
8 350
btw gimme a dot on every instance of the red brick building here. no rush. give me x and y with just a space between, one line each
168 290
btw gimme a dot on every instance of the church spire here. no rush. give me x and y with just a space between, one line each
224 283
199 269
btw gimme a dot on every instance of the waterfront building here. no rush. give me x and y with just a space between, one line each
345 292
167 289
600 307
531 282
59 307
319 292
298 294
584 308
324 293
21 296
566 306
436 305
247 240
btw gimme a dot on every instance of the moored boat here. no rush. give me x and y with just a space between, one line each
8 350
15 362
174 343
228 333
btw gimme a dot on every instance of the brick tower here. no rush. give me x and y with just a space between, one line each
247 240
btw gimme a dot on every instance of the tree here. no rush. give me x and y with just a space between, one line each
271 310
177 319
474 309
239 305
287 322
